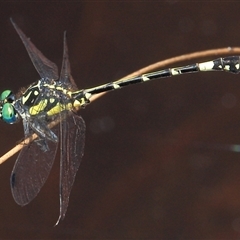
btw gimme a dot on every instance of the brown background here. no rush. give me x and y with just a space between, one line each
156 164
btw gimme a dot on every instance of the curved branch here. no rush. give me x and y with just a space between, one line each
150 68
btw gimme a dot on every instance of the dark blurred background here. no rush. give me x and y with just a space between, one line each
159 160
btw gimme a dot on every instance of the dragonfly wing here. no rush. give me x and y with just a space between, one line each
31 170
45 67
72 135
66 78
72 132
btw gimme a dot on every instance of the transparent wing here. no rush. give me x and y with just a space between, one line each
31 170
72 132
72 135
45 67
66 78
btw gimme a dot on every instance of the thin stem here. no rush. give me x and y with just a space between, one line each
161 64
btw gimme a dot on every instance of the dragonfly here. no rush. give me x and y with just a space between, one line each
57 99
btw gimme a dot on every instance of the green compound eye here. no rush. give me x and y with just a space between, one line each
9 114
7 96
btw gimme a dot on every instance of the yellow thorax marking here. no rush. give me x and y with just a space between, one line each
34 110
59 108
25 98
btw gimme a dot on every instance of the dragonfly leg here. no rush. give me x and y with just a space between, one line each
42 144
39 126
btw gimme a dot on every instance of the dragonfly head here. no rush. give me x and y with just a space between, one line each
7 112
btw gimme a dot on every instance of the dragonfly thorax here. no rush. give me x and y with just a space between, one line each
43 97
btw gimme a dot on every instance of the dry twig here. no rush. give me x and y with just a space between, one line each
153 67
